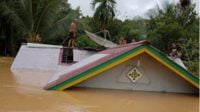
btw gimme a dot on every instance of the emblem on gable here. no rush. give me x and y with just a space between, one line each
134 75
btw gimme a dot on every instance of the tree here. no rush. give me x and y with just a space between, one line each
190 51
180 24
185 3
134 29
172 24
27 19
104 11
36 17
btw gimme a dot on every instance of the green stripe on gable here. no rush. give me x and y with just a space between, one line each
173 64
124 55
96 68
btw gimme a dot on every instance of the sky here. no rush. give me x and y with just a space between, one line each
126 9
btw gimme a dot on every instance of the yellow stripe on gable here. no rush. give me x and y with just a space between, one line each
170 67
103 69
125 59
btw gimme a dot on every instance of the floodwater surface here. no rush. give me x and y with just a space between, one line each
22 92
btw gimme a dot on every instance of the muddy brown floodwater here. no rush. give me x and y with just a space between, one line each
22 92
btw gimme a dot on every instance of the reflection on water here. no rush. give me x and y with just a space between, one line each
22 92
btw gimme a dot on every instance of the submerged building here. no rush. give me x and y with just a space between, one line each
134 66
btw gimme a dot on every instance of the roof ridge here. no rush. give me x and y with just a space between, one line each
132 43
171 60
118 59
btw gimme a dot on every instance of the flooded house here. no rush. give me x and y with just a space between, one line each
135 66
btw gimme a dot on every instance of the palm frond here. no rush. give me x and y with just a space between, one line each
95 2
46 15
60 27
6 11
26 13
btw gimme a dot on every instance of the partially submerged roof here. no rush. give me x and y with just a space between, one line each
110 58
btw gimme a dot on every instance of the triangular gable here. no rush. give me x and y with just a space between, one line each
156 54
125 57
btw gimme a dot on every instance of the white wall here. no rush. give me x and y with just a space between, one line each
44 57
36 64
156 77
36 58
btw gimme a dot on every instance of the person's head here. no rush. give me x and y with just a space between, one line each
133 40
173 45
121 38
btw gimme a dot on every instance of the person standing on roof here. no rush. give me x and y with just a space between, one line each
122 41
72 34
174 53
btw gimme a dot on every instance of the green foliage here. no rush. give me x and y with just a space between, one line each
130 29
86 23
190 51
169 26
180 24
32 17
84 42
134 29
104 12
25 19
193 67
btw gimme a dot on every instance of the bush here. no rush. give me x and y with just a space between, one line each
193 67
84 42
